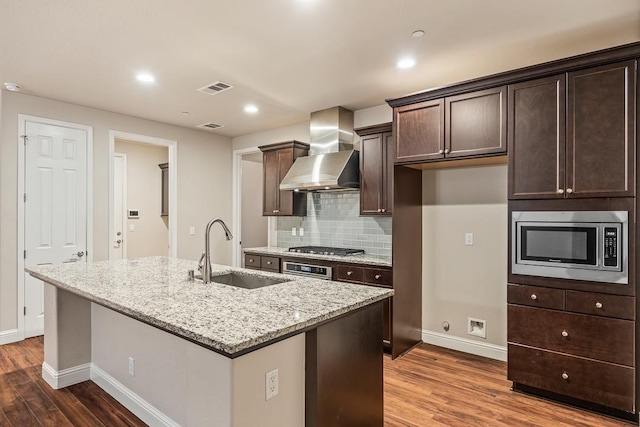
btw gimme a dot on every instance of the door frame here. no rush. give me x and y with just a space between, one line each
124 207
172 145
22 121
236 259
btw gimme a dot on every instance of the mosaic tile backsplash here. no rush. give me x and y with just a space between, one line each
333 219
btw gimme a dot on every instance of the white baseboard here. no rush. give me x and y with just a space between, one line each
65 377
130 400
466 345
9 336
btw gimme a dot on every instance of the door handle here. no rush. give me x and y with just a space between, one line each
79 254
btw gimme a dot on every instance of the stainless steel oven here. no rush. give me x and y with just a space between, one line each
579 245
307 269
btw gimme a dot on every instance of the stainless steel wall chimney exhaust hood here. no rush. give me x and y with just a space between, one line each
332 163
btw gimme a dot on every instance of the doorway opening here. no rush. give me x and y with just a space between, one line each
142 196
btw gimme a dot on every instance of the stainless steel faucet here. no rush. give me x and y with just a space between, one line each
204 265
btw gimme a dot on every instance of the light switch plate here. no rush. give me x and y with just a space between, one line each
192 230
132 227
468 239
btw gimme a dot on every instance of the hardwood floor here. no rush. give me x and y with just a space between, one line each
430 386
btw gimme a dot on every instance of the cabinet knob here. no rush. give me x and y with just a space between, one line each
383 210
565 376
379 210
560 191
598 304
251 260
349 273
447 151
269 262
565 333
274 211
377 276
569 190
534 297
440 151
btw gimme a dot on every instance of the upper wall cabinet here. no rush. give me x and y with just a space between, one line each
277 160
468 125
376 170
585 150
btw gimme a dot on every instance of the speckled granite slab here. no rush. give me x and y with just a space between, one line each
354 259
226 319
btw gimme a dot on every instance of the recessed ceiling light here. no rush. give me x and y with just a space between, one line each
12 87
185 113
145 78
251 109
417 33
406 63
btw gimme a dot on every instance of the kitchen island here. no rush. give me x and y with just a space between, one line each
178 352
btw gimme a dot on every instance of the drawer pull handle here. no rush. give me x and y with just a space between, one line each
349 273
565 333
377 276
598 304
269 263
565 376
534 297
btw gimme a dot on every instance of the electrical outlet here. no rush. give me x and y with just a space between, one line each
301 231
468 239
293 231
271 384
132 366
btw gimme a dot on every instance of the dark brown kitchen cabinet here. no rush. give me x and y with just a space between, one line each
262 262
462 126
277 160
585 150
376 170
164 205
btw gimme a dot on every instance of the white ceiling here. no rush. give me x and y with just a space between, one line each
288 57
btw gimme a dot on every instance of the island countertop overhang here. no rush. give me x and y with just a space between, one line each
228 320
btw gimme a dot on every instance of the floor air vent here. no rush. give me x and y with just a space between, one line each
210 125
215 88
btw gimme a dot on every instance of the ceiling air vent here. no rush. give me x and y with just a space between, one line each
210 125
215 88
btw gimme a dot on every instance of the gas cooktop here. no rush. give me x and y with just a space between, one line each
324 250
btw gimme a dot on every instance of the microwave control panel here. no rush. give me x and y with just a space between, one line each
611 247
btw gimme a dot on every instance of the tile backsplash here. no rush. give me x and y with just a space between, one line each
333 219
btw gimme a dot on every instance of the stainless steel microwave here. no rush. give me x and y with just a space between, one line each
578 245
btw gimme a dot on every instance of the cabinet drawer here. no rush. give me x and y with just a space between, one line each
252 261
270 263
378 276
594 337
593 381
349 273
535 296
601 304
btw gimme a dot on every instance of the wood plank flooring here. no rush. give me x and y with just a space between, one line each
430 386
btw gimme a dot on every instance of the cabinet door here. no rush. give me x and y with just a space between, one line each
601 138
371 174
389 151
476 123
285 198
419 131
536 139
271 183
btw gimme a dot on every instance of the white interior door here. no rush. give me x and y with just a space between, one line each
55 222
119 205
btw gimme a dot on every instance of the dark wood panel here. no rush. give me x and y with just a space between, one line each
252 261
601 304
476 123
610 340
277 160
270 263
603 383
601 109
535 296
349 273
343 371
378 276
387 172
271 181
419 132
536 139
371 171
285 198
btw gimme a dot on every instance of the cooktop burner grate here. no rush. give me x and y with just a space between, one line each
325 250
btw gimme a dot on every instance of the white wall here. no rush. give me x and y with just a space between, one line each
298 132
204 183
144 192
461 281
254 226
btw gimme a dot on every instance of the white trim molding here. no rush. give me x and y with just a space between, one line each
466 345
173 182
130 400
9 336
65 377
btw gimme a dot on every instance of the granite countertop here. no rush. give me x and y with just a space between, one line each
365 259
227 319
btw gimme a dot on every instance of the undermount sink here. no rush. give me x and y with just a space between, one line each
246 281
